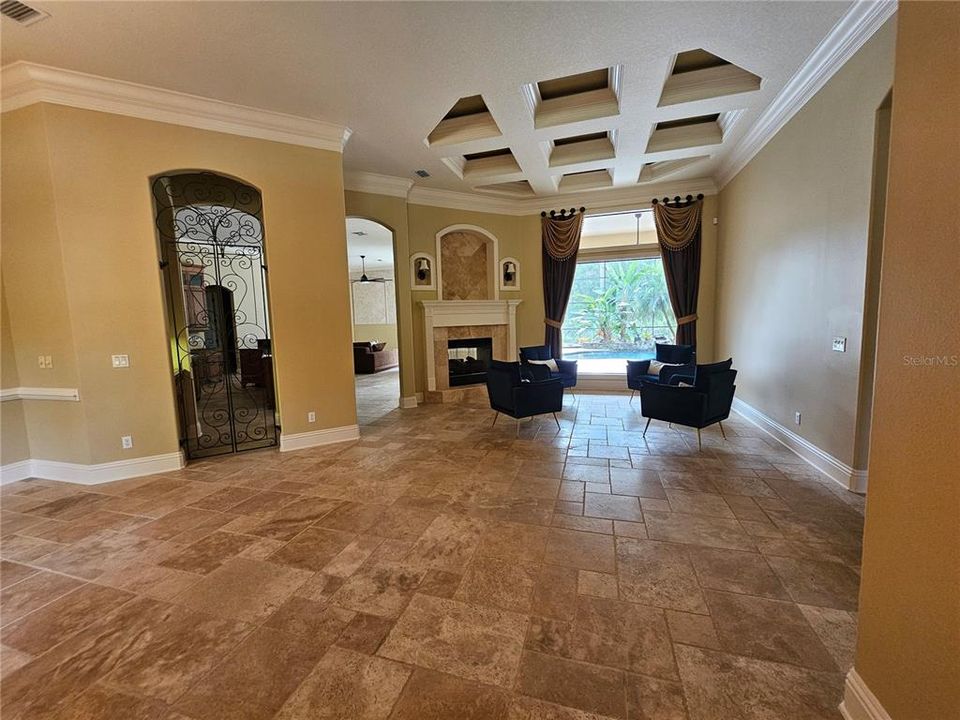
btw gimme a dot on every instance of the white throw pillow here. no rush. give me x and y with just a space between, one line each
656 366
551 363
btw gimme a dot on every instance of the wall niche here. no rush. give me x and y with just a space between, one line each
469 266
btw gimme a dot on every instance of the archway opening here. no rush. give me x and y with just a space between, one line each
373 309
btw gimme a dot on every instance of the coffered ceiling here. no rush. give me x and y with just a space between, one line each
521 100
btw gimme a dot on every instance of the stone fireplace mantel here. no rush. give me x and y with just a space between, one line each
467 313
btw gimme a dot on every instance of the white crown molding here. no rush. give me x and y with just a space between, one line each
634 196
837 470
26 83
455 200
91 474
857 26
328 436
377 184
859 702
32 393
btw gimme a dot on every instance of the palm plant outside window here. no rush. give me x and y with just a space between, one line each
619 308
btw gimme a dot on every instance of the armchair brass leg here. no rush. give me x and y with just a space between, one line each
632 393
518 427
556 421
495 418
646 427
699 444
721 430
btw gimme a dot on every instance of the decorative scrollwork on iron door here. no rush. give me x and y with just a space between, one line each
211 232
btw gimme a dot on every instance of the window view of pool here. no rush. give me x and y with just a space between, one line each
618 311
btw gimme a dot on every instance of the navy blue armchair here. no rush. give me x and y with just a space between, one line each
706 403
682 360
512 395
566 369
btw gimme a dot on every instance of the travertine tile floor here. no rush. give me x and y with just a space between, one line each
440 568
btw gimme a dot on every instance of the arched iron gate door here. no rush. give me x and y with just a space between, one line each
211 244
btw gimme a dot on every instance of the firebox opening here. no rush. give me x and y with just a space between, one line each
468 360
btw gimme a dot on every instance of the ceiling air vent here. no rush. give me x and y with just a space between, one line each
23 14
421 173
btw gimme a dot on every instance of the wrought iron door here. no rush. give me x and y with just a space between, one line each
211 243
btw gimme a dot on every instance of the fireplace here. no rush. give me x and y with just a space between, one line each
468 360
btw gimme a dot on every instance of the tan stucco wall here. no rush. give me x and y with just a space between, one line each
13 428
794 225
79 239
908 651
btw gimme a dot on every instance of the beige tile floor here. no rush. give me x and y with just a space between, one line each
440 568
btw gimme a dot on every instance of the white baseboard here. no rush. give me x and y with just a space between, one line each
408 402
420 397
836 470
613 384
13 472
300 441
859 703
91 474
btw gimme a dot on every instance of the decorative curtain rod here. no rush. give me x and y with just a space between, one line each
563 212
677 200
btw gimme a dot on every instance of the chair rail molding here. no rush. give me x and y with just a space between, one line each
859 702
837 470
39 393
857 26
25 83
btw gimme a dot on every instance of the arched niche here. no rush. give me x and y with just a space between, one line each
468 261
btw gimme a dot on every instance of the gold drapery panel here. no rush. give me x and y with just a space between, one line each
677 226
561 235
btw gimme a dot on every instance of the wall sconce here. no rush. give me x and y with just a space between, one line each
509 274
421 272
423 269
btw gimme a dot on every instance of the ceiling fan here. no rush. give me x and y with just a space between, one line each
363 275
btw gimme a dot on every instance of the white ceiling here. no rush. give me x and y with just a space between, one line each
377 245
390 71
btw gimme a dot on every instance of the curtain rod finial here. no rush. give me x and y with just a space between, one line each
543 214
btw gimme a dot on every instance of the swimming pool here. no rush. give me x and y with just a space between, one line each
580 354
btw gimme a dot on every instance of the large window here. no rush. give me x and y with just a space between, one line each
619 307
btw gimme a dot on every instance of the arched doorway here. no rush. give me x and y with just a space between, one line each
211 238
373 308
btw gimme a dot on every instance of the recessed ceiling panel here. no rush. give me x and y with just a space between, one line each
685 132
701 75
587 180
581 148
575 98
468 120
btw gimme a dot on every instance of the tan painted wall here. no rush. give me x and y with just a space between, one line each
793 243
908 651
102 227
517 236
13 428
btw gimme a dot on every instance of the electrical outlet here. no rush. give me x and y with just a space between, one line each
311 417
120 361
796 417
45 361
49 360
839 344
126 442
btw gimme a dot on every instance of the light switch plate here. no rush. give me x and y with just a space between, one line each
120 361
839 344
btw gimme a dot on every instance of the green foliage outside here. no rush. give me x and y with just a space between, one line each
620 304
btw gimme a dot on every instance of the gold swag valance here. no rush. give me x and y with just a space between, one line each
677 226
561 235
